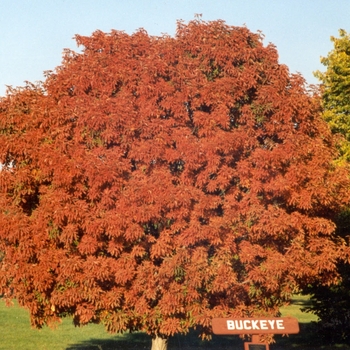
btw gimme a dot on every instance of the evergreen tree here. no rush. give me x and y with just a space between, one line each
332 303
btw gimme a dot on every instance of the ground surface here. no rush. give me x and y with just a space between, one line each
16 334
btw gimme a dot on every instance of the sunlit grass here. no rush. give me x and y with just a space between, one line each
294 309
17 333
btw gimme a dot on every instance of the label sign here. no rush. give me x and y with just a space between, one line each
269 325
256 346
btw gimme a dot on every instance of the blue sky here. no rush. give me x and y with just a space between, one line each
33 33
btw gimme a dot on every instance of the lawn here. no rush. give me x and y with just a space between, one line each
16 333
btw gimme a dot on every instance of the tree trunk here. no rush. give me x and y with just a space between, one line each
159 343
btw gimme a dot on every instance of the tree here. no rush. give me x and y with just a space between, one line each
335 90
153 183
332 303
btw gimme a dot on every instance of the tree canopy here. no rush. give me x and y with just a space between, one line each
153 183
335 90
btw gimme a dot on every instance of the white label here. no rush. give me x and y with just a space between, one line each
279 324
254 324
230 324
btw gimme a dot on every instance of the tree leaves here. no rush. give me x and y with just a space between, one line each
335 90
152 183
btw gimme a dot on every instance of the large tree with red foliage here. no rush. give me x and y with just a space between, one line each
153 183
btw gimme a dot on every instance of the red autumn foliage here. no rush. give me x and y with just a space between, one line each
153 183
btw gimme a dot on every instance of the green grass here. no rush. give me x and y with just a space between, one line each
17 334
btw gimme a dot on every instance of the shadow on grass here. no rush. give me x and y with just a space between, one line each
307 339
301 301
141 341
